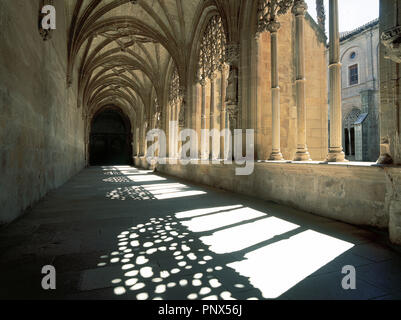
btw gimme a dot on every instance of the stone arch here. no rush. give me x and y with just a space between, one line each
349 131
351 117
209 11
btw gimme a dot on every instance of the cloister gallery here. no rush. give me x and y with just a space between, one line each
79 190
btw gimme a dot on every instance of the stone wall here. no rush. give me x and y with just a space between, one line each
390 115
41 129
329 190
316 91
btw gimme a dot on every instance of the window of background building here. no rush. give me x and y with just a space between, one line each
353 75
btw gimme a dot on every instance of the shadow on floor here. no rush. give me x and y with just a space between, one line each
123 233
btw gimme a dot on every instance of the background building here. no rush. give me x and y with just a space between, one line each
359 50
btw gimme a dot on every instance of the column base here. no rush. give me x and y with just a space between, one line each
276 156
302 156
336 156
385 159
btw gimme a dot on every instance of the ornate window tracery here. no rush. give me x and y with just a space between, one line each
212 55
174 89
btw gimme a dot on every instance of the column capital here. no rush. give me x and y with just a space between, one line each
273 26
232 110
300 7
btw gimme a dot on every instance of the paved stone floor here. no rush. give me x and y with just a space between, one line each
123 233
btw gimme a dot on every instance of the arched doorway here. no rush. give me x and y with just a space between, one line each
110 139
349 133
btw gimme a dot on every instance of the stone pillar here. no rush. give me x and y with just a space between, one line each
255 99
390 84
232 107
145 143
196 116
140 137
181 121
169 117
223 113
203 118
174 139
336 153
137 142
212 114
133 143
276 155
299 9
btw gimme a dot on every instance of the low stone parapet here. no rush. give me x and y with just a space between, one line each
362 194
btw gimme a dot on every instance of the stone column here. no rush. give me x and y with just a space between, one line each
175 128
276 155
181 121
145 143
137 137
299 9
140 136
196 116
223 113
212 114
336 153
172 130
232 104
203 118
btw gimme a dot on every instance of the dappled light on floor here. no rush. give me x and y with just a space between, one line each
225 252
138 188
160 260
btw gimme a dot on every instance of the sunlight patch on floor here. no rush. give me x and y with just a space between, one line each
200 212
278 267
247 235
222 219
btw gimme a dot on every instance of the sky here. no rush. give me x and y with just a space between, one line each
353 13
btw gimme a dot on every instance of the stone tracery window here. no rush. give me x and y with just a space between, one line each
174 89
212 53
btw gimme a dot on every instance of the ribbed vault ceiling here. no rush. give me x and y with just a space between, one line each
123 48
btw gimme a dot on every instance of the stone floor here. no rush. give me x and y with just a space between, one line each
123 233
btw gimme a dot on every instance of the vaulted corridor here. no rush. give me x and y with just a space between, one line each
105 105
120 232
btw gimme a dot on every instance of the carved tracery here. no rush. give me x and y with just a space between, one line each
174 89
212 55
268 12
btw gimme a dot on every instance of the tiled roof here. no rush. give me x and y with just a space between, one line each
348 34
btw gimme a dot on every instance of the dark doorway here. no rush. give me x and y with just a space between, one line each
110 139
347 146
352 133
